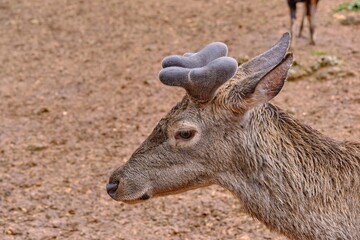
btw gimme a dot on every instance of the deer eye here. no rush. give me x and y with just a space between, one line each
185 135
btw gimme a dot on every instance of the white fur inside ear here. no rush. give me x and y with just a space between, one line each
271 84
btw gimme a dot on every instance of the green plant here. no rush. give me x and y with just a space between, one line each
353 6
317 52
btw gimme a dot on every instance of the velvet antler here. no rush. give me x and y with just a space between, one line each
201 73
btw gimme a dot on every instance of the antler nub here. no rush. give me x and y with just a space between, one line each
201 73
199 59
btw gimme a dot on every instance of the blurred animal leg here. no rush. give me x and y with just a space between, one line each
312 23
302 23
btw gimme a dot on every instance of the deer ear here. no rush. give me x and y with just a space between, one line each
261 64
258 80
271 84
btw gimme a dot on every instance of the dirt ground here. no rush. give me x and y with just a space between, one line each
79 92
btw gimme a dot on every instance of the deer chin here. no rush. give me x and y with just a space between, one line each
147 194
180 190
142 197
135 198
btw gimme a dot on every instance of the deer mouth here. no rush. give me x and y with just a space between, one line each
127 190
144 197
130 198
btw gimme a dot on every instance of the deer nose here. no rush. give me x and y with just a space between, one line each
111 188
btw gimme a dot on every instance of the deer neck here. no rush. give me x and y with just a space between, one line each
284 175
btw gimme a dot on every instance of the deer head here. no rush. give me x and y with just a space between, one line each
203 135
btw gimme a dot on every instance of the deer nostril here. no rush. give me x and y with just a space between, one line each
111 188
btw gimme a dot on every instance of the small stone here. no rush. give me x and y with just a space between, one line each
12 231
35 21
41 111
36 148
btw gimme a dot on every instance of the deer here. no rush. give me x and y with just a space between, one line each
225 131
309 12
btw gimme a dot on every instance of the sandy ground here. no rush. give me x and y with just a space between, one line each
79 92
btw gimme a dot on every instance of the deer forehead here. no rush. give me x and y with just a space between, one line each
183 125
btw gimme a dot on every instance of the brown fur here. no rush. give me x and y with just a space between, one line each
296 180
286 174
